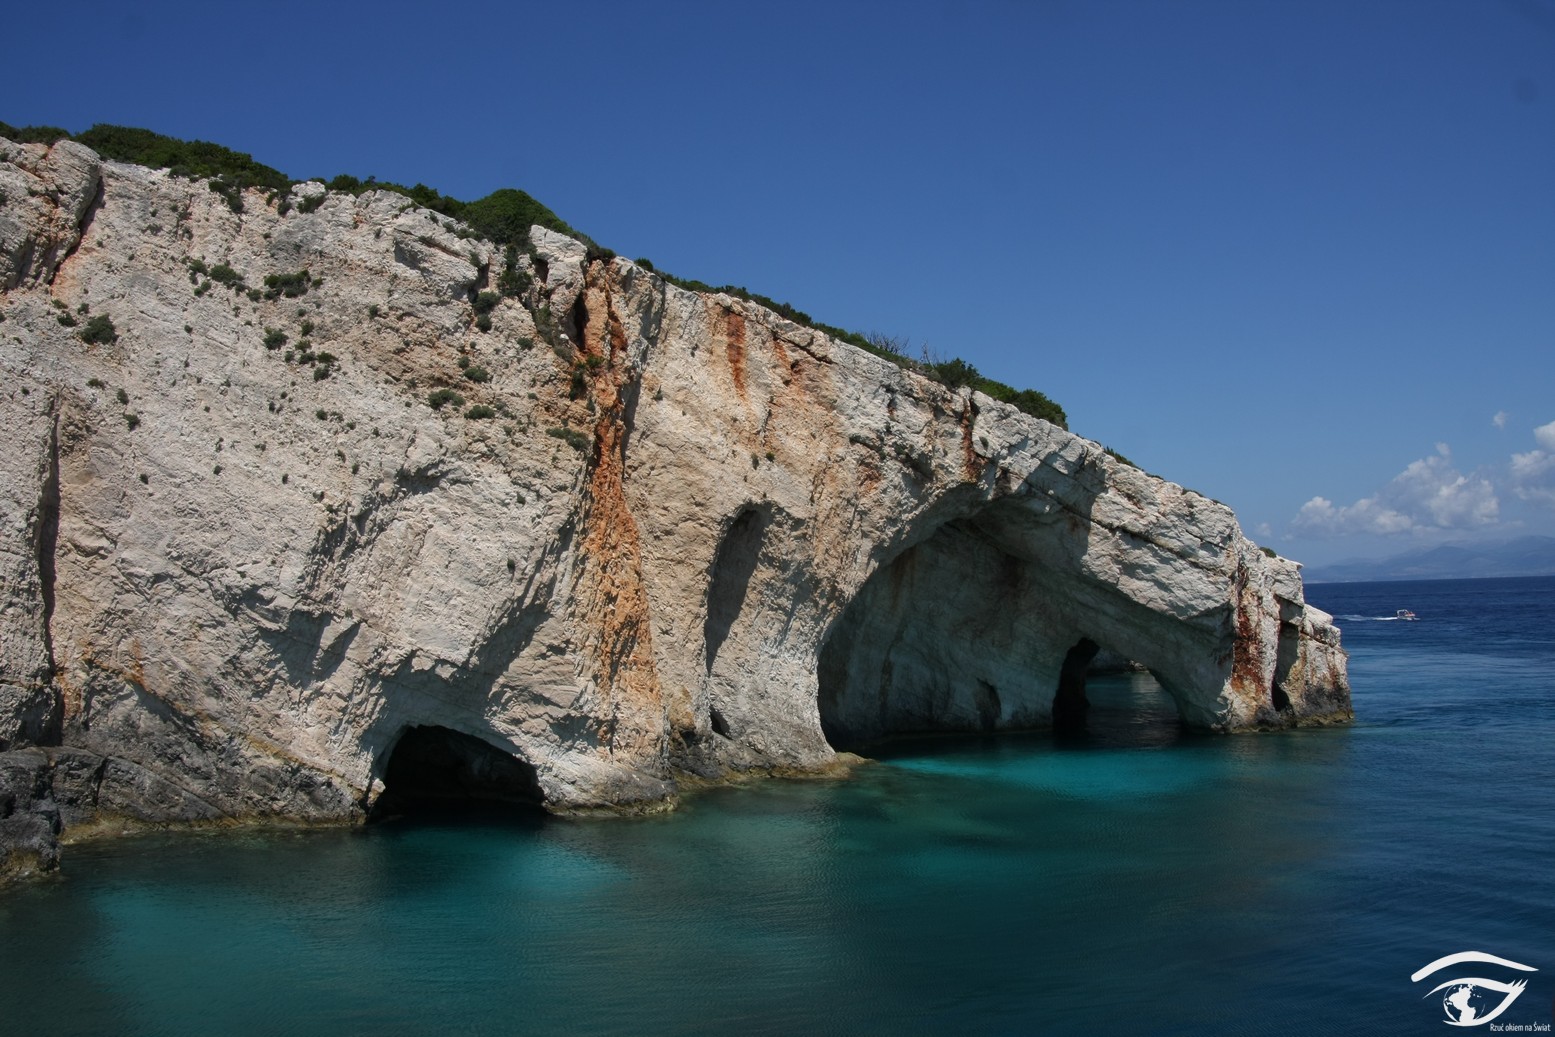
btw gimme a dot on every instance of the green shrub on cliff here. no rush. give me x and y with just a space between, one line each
514 280
1118 457
290 285
230 189
229 172
33 134
954 373
506 215
572 437
99 331
1028 401
193 158
221 273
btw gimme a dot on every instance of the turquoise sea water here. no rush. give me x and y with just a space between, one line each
1136 881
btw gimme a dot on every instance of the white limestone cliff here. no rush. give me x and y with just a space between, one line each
692 538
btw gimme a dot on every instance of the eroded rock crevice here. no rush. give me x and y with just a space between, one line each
729 581
1286 661
48 543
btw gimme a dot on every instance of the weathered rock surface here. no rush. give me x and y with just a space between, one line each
692 537
29 818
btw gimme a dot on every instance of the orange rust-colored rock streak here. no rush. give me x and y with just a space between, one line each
613 601
972 465
734 348
1247 671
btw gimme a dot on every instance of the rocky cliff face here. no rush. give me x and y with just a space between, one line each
249 571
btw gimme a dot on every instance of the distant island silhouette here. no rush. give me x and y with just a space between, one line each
1524 556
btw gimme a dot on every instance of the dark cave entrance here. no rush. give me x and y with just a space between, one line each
1106 699
1126 707
439 771
969 632
943 639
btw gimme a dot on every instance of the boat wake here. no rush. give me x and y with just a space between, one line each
1372 619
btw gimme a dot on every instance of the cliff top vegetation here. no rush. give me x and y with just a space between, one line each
504 217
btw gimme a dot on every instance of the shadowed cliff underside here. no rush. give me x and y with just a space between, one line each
290 486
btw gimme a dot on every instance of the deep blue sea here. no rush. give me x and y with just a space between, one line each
1137 881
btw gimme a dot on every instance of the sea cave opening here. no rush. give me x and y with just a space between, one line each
436 771
1125 707
969 632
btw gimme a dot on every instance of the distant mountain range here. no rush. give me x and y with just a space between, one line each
1525 556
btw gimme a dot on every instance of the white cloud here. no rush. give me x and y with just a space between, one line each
1429 494
1499 421
1319 517
1533 473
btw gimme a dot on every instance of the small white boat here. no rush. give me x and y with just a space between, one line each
1406 614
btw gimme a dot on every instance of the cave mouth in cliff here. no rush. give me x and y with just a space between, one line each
1126 709
939 640
969 631
438 771
1104 699
1070 706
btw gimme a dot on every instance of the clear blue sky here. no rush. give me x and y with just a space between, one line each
1298 255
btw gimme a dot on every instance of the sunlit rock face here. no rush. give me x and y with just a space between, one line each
662 533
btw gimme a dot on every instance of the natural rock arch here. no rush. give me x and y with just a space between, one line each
985 624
